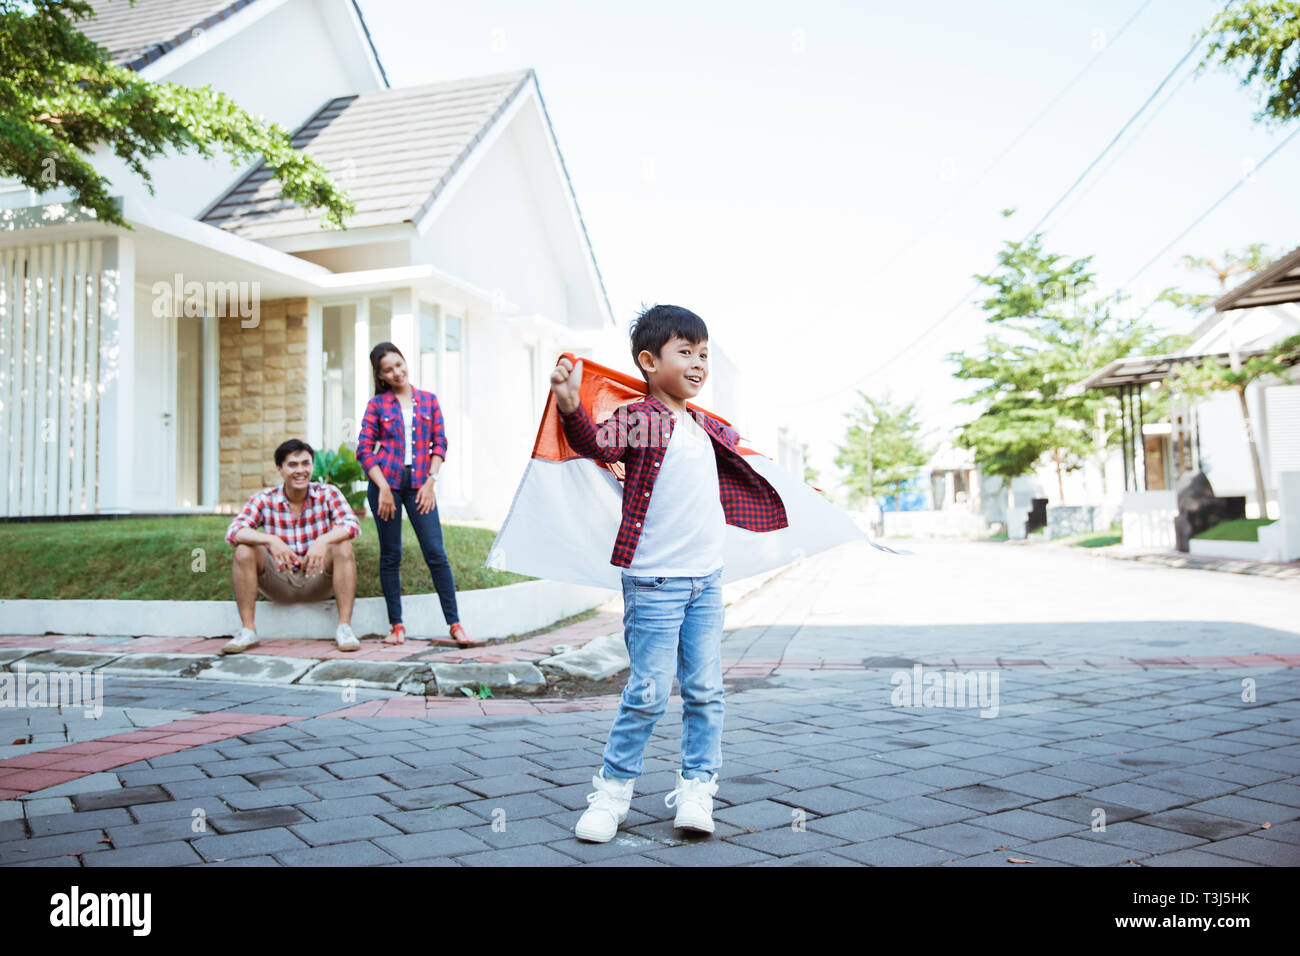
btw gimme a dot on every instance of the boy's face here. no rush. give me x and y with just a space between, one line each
680 369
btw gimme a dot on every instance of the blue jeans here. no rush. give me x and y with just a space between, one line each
671 626
428 531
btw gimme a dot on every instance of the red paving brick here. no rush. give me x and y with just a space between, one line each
27 773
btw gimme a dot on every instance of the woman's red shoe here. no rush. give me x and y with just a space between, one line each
460 637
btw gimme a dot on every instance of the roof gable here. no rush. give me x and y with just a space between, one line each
393 151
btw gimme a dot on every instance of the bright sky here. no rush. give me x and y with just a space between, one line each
813 179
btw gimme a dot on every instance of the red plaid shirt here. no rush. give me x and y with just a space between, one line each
638 435
383 436
324 509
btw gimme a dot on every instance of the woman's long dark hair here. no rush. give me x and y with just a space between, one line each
376 356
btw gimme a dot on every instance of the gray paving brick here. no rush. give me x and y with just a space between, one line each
759 815
1254 850
1139 797
1279 792
989 799
963 839
344 830
276 797
358 787
262 819
431 843
821 801
787 842
888 788
1189 858
517 806
72 822
894 851
289 776
250 843
1207 826
924 811
860 825
141 778
1081 809
1138 836
515 833
419 821
534 854
45 847
505 784
357 853
1081 852
205 787
414 779
176 853
311 758
1251 811
159 831
343 807
1028 825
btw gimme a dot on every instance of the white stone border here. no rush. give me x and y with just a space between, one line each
485 612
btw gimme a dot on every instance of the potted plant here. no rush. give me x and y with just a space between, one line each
342 470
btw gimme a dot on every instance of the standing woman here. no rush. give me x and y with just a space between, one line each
401 447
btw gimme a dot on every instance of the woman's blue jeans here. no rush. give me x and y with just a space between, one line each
672 626
428 531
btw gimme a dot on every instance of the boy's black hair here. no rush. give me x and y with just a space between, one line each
287 448
657 325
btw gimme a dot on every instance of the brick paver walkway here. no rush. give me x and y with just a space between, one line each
1163 704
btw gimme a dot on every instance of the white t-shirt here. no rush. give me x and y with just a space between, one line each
406 424
684 527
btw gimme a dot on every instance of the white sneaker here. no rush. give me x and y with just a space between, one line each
694 802
246 638
609 806
345 639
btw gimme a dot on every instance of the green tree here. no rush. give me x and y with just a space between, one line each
1051 330
1236 376
1251 260
1261 40
882 447
61 96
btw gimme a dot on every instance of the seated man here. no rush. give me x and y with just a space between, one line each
305 553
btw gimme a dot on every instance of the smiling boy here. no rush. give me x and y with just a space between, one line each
684 482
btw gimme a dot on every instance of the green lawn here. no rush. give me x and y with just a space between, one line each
1238 529
1093 539
156 559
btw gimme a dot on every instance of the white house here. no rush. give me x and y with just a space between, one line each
155 369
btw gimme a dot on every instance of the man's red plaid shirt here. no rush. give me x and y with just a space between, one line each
323 509
383 436
638 435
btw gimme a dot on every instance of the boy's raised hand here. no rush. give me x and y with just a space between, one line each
566 383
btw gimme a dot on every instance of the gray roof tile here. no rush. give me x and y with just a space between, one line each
392 150
136 35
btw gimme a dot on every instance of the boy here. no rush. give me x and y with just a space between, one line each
684 483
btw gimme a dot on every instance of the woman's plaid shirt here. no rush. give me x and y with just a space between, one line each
638 435
324 509
382 440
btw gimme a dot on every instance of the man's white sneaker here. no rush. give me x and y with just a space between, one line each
609 806
345 639
246 638
694 802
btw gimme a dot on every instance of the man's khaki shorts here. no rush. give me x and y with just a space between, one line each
292 585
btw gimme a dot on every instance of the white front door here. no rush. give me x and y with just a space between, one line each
155 408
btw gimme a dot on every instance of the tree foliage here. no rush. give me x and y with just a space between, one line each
1050 330
898 452
61 97
1260 39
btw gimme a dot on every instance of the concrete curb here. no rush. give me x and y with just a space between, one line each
487 613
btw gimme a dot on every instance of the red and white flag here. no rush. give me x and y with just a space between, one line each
567 509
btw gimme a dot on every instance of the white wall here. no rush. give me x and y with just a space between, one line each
492 233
